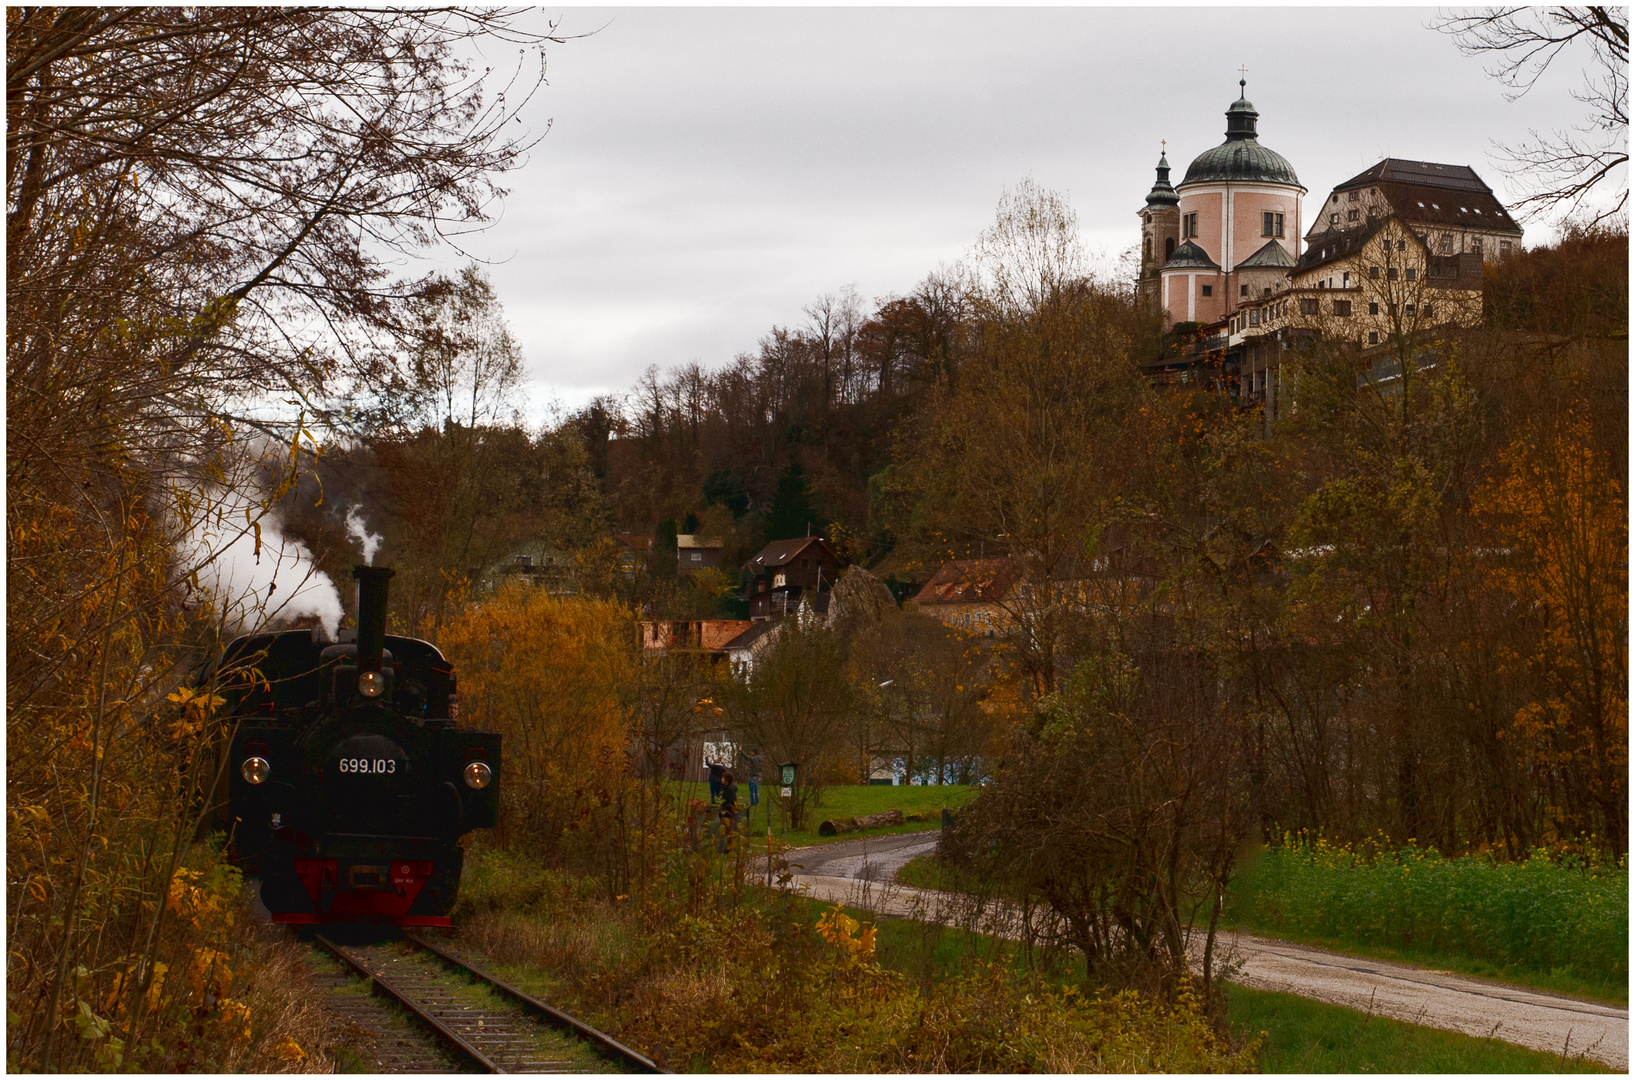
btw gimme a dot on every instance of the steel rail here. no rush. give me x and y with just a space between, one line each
438 1028
552 1015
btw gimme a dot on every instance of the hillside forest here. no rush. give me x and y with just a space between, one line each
1398 614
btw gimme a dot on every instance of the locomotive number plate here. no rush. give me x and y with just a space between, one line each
373 766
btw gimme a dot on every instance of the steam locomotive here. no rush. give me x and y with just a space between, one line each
350 782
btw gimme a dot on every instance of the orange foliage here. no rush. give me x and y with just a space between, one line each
1560 514
545 672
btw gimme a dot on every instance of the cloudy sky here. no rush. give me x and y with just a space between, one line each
710 172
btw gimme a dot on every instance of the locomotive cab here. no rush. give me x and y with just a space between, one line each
350 780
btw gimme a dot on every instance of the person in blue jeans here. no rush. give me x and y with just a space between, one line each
716 770
752 766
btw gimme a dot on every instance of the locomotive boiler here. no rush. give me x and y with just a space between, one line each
350 779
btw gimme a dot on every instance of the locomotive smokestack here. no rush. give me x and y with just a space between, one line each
372 587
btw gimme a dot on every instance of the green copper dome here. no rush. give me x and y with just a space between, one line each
1241 158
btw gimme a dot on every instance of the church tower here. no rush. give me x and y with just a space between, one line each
1239 224
1160 232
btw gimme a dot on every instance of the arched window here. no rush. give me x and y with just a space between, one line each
1169 247
1146 247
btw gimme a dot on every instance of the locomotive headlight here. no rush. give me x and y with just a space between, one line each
371 684
255 769
478 774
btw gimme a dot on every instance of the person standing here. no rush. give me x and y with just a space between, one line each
729 808
752 763
716 770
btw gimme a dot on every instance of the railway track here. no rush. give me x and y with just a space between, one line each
431 1011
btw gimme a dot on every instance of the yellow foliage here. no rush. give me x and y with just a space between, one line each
545 672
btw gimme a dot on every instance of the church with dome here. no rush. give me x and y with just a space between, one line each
1228 231
1228 257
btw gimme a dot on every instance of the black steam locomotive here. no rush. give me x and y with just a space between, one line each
350 781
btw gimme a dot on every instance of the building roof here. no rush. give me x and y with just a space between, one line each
1340 244
971 581
693 540
749 637
1190 256
1429 173
1430 193
1272 255
780 552
1241 157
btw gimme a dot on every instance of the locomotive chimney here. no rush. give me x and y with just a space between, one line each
372 587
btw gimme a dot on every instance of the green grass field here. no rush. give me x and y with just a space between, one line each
1305 1036
844 800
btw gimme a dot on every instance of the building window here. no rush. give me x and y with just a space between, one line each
1353 215
1308 305
1146 219
1334 219
1408 310
1427 311
1342 308
1373 307
1209 290
1447 244
1390 273
1189 226
1254 317
1271 224
1402 245
1374 273
1504 248
1169 247
1345 280
1243 290
1373 337
1413 273
1476 245
1146 247
1351 196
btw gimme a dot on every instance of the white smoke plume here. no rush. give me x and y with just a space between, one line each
368 541
254 590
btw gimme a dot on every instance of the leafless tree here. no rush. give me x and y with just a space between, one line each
1565 167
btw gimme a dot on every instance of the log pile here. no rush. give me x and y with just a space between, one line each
853 824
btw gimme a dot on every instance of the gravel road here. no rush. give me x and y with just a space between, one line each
862 872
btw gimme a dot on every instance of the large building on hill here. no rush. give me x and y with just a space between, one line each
1226 230
1393 251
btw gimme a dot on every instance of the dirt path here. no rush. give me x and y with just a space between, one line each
860 872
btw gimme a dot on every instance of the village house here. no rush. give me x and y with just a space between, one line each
695 553
978 595
784 571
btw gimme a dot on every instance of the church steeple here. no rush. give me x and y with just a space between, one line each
1162 193
1241 116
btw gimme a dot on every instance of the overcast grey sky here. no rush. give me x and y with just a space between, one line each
710 172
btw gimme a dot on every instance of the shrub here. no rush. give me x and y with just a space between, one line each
1568 914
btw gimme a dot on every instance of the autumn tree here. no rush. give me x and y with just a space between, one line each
1566 170
1561 525
548 674
796 704
1016 455
201 205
